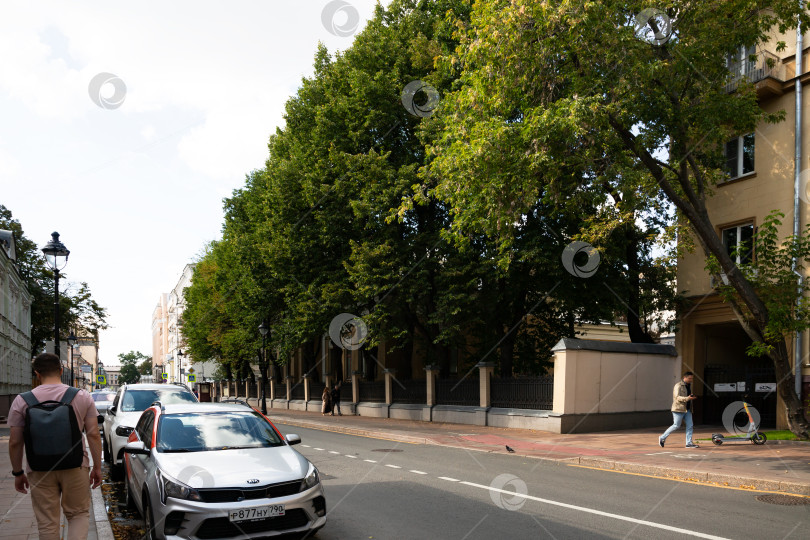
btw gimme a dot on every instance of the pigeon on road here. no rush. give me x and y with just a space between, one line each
510 450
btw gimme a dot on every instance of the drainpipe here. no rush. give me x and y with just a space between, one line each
797 166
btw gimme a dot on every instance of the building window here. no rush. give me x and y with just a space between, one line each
740 156
740 62
739 243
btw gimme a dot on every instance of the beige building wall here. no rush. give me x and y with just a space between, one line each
749 198
160 333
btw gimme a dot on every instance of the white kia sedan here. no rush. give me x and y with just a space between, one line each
219 471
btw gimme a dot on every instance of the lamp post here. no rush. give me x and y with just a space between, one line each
179 360
56 255
263 329
71 342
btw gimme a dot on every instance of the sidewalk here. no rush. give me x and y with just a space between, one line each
17 520
780 466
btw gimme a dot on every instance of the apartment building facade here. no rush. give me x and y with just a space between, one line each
15 326
762 167
160 335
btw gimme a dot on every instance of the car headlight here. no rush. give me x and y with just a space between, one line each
311 479
176 490
124 431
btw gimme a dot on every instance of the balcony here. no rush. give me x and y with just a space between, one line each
767 73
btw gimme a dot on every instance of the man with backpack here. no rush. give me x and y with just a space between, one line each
47 423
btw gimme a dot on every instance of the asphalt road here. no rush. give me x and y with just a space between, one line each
378 489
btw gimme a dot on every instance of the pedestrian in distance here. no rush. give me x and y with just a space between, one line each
46 425
682 398
336 399
326 400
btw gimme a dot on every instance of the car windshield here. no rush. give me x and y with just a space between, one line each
140 400
196 432
103 396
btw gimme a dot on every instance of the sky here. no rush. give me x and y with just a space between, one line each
124 125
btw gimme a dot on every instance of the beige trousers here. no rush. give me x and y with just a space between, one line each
72 486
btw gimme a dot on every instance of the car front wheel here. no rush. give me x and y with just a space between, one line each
149 519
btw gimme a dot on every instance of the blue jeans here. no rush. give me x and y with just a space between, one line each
677 418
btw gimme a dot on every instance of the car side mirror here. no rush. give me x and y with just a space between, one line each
137 447
111 411
293 439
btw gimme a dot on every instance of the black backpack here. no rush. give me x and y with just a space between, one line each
53 439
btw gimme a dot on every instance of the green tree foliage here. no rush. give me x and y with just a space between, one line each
79 311
130 372
343 219
570 104
145 367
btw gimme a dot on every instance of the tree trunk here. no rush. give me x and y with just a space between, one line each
637 334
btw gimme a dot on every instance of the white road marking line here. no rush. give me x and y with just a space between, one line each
393 466
306 446
417 472
353 457
656 453
448 479
317 448
598 512
370 460
333 452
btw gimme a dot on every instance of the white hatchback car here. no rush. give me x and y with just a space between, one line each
130 401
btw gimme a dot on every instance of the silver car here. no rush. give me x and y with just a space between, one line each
219 471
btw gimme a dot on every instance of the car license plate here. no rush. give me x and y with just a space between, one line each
257 512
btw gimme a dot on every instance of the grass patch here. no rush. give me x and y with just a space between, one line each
779 435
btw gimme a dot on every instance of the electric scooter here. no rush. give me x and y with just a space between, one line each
753 435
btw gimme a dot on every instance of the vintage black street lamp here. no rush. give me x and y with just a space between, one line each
263 330
56 255
71 342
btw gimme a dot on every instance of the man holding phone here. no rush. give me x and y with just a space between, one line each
682 398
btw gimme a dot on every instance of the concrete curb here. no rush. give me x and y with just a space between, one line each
102 522
702 477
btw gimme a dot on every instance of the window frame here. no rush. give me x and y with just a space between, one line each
740 165
738 226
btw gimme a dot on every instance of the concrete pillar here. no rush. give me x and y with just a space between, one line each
306 387
356 386
272 383
247 388
485 371
432 372
389 378
288 381
327 380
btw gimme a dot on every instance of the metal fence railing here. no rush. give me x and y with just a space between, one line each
316 390
409 391
523 393
372 391
297 390
458 392
280 390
